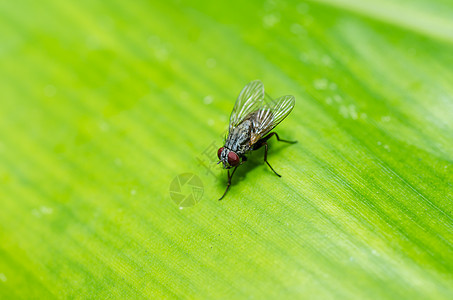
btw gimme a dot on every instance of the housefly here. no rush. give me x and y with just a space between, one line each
254 115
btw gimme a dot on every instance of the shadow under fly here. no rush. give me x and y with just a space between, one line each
254 116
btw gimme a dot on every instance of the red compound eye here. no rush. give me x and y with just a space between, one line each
233 159
219 152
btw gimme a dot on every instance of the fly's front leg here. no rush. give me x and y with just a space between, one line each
229 182
265 159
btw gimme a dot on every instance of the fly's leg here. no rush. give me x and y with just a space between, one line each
263 142
229 182
265 159
264 139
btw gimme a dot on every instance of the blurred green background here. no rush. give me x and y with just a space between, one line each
103 104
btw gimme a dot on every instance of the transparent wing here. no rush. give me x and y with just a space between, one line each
249 100
270 115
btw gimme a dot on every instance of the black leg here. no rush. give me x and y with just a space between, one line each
278 138
261 142
229 182
265 159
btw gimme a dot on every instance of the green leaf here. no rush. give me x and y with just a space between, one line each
104 105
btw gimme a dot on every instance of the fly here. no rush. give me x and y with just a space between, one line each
253 117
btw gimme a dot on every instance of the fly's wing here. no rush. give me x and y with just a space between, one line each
249 100
270 115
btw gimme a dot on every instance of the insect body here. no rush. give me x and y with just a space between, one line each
254 115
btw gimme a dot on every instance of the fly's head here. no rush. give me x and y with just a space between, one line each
228 158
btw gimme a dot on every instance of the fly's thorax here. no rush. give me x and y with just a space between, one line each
238 139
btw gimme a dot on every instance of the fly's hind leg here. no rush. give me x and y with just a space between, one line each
263 142
264 139
265 159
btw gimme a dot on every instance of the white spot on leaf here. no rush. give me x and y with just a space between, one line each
50 90
302 8
320 84
326 60
43 210
297 29
211 63
208 99
270 20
